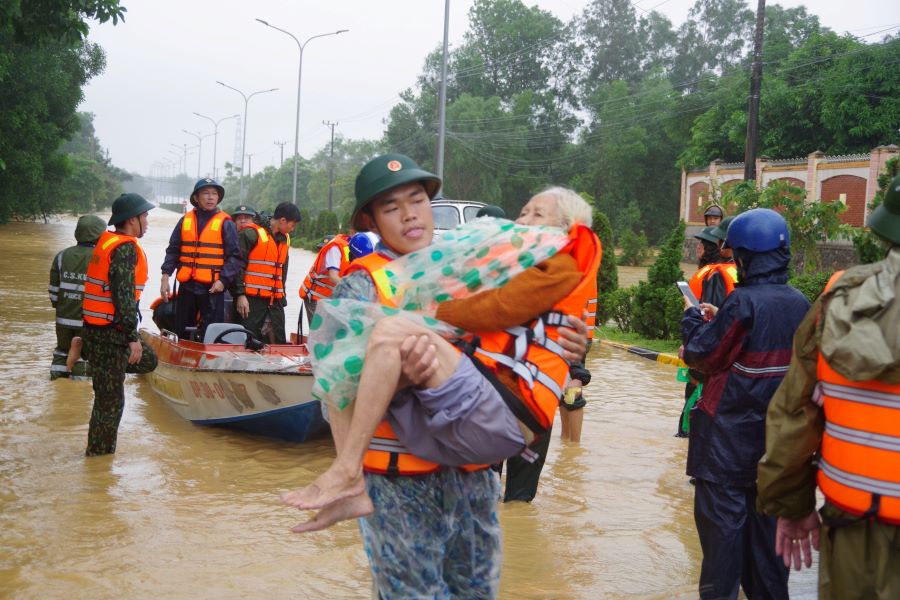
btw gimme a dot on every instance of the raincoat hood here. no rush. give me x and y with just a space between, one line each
770 266
89 229
862 323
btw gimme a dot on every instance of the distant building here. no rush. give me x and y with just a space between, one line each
851 179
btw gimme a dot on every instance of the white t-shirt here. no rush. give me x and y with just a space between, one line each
333 258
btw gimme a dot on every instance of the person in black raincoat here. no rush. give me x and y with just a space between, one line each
743 348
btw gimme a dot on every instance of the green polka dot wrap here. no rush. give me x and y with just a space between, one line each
480 255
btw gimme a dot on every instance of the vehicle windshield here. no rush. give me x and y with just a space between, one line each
445 217
469 213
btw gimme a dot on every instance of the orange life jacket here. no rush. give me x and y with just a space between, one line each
859 467
386 455
532 352
318 284
696 282
265 265
98 308
203 255
728 272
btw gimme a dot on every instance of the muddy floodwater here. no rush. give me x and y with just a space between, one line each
183 511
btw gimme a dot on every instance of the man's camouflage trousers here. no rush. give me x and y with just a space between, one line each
107 351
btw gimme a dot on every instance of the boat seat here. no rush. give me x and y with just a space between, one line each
233 333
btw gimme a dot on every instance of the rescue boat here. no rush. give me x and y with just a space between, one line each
265 391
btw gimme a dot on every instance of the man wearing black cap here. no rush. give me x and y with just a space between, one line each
116 274
204 249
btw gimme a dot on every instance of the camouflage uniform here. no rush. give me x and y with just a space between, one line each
107 349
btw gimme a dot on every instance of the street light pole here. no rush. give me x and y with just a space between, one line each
299 79
199 148
442 102
244 142
216 137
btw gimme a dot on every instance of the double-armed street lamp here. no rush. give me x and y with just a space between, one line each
200 137
182 156
244 142
216 137
301 46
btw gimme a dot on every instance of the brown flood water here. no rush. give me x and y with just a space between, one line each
182 511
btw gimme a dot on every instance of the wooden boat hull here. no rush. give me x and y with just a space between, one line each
267 393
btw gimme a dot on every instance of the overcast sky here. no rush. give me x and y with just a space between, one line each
163 63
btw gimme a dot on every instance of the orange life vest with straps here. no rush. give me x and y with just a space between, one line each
203 253
98 308
318 284
696 282
728 272
386 455
265 265
859 467
532 352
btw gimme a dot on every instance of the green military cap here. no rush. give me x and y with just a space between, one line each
386 172
707 234
89 229
128 205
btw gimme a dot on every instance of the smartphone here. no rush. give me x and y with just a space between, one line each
686 291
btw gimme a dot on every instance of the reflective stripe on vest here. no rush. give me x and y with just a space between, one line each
265 266
98 308
532 352
318 284
386 454
859 468
202 255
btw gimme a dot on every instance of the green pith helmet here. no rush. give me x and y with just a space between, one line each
243 209
721 230
707 235
126 206
885 220
385 172
491 210
89 229
205 183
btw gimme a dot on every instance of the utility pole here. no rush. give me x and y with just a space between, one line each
281 145
755 86
250 167
331 164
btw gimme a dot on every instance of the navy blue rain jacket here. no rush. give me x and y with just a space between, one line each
744 353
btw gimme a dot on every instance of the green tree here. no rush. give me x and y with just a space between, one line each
809 223
44 63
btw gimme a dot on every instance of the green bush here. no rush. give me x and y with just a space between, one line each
810 285
658 306
634 249
617 305
657 311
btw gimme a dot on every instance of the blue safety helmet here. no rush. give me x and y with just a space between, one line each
362 244
758 230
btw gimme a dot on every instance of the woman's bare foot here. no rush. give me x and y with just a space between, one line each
337 483
353 507
74 353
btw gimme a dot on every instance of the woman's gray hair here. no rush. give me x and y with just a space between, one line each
572 207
